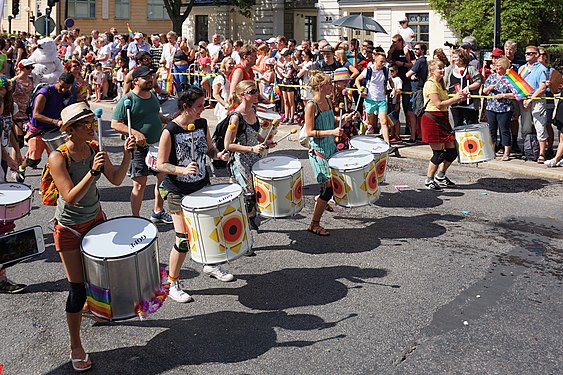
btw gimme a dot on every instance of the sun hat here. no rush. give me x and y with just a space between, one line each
341 74
497 52
74 113
327 48
403 19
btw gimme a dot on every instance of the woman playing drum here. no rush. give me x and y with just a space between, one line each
78 207
436 128
186 173
319 123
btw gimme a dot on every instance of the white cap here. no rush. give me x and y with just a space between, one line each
271 40
403 19
139 36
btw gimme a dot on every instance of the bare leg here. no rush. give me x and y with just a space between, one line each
158 201
137 193
384 127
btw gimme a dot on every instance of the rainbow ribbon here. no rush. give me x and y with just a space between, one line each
131 33
99 300
519 87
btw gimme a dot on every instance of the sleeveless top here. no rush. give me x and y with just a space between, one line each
323 121
246 75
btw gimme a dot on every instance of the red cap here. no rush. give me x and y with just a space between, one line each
497 52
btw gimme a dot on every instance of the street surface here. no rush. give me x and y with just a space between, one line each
464 281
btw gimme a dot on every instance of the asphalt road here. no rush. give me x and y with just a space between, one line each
464 281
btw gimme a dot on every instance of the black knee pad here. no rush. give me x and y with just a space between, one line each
32 163
250 201
438 156
326 193
450 154
182 246
76 298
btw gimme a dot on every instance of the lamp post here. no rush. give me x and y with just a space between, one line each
28 11
10 18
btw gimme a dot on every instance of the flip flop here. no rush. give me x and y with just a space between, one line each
76 361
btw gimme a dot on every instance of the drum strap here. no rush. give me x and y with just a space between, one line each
316 153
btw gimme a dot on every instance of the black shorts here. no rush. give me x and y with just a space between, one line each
138 167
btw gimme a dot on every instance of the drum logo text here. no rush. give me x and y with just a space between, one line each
138 241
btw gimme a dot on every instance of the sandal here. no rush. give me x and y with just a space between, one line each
76 361
541 159
317 229
505 157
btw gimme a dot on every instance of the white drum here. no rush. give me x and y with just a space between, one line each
121 266
216 224
15 201
474 144
169 107
380 150
152 156
268 115
354 178
53 139
278 185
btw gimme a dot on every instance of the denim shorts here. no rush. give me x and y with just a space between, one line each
138 167
375 106
406 101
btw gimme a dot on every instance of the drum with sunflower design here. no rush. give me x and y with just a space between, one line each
278 185
380 150
354 178
216 224
474 144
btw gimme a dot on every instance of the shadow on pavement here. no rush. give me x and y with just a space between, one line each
507 185
414 198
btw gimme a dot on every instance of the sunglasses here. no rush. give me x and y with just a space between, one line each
416 49
75 66
530 53
89 125
28 67
252 92
543 54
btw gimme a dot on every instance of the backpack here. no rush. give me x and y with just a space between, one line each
31 101
418 105
369 72
49 191
218 138
531 147
302 137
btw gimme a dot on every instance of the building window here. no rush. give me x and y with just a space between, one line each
311 28
82 8
201 28
156 10
6 11
419 23
122 9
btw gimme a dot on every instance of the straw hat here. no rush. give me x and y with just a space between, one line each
73 113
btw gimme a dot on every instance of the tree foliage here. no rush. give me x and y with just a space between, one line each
524 21
179 10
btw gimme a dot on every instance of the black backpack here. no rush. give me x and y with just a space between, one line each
218 138
31 101
369 73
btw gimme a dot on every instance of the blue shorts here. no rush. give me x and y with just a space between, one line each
375 106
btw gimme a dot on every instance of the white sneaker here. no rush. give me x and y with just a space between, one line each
177 294
218 272
553 163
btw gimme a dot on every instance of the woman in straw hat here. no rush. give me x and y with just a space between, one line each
75 168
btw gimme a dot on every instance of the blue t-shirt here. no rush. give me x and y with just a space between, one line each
420 68
534 75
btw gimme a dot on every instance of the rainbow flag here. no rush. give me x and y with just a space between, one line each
519 87
391 120
169 83
131 33
99 300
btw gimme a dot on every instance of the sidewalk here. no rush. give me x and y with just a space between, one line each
518 166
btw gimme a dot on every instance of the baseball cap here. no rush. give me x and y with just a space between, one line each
271 40
142 71
497 52
259 41
403 19
25 62
139 36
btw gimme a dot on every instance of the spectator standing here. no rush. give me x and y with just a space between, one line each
155 51
406 32
327 64
136 46
243 71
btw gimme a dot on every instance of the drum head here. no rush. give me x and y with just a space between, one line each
350 159
212 196
268 115
13 193
119 237
374 145
153 149
276 166
472 127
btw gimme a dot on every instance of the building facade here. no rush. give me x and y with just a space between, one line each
297 19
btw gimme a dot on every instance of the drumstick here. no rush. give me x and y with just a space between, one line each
340 107
359 98
345 95
127 103
191 129
98 112
293 131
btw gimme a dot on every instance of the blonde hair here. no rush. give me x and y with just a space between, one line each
318 79
241 87
432 66
340 55
224 63
504 62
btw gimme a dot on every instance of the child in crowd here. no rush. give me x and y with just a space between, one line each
97 80
394 105
119 76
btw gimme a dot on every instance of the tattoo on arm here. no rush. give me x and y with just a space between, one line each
170 168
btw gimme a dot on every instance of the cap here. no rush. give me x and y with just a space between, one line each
25 62
74 113
403 19
341 74
271 40
139 36
497 52
285 52
259 41
327 48
142 71
270 61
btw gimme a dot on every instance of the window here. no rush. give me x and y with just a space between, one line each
201 28
5 13
419 23
82 8
122 9
311 27
156 10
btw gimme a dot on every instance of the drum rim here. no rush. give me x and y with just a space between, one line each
352 169
274 156
263 178
17 202
471 127
363 136
193 209
82 251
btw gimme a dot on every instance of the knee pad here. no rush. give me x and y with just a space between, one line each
438 156
250 202
76 298
326 193
32 162
450 154
182 246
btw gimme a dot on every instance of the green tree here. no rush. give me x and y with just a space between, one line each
524 21
179 10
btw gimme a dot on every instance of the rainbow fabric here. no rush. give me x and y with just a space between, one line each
131 33
169 83
99 300
519 87
391 120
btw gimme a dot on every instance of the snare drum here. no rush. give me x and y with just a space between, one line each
216 224
278 185
15 201
152 156
268 115
121 266
380 150
53 139
354 178
474 144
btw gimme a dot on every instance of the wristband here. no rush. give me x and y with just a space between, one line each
94 172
